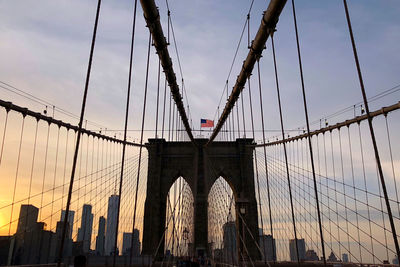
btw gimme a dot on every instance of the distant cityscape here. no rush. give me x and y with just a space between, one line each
33 244
268 246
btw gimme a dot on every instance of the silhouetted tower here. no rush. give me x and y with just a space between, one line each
100 239
85 232
71 216
28 215
111 224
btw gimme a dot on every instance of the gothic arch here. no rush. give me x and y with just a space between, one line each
200 166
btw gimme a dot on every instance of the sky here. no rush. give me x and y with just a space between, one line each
44 50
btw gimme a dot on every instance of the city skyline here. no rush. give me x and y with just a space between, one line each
28 220
102 119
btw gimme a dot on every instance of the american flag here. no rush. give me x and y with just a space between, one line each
206 123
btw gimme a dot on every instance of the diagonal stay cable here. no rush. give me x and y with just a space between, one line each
78 135
125 132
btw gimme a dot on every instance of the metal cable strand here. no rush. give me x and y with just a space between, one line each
344 190
79 134
163 116
158 96
284 150
358 242
257 176
4 136
44 170
365 186
265 152
238 120
308 130
33 164
152 18
335 190
16 173
244 122
391 161
371 129
55 175
125 130
141 141
169 118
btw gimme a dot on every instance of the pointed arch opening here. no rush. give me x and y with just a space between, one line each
222 227
179 220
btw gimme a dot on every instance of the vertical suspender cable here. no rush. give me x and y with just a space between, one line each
54 177
16 173
371 129
233 115
163 116
265 157
126 127
392 165
257 177
158 95
31 176
79 135
169 118
344 192
229 121
238 120
354 189
141 147
177 125
4 136
308 132
44 171
173 122
284 149
244 122
33 164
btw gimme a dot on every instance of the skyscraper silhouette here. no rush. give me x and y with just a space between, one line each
27 220
85 231
71 215
100 239
111 224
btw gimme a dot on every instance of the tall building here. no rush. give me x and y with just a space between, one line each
5 245
71 216
35 246
127 241
229 237
112 214
268 247
100 239
345 257
301 245
27 220
85 231
67 248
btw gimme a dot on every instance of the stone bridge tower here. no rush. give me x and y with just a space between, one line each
200 166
